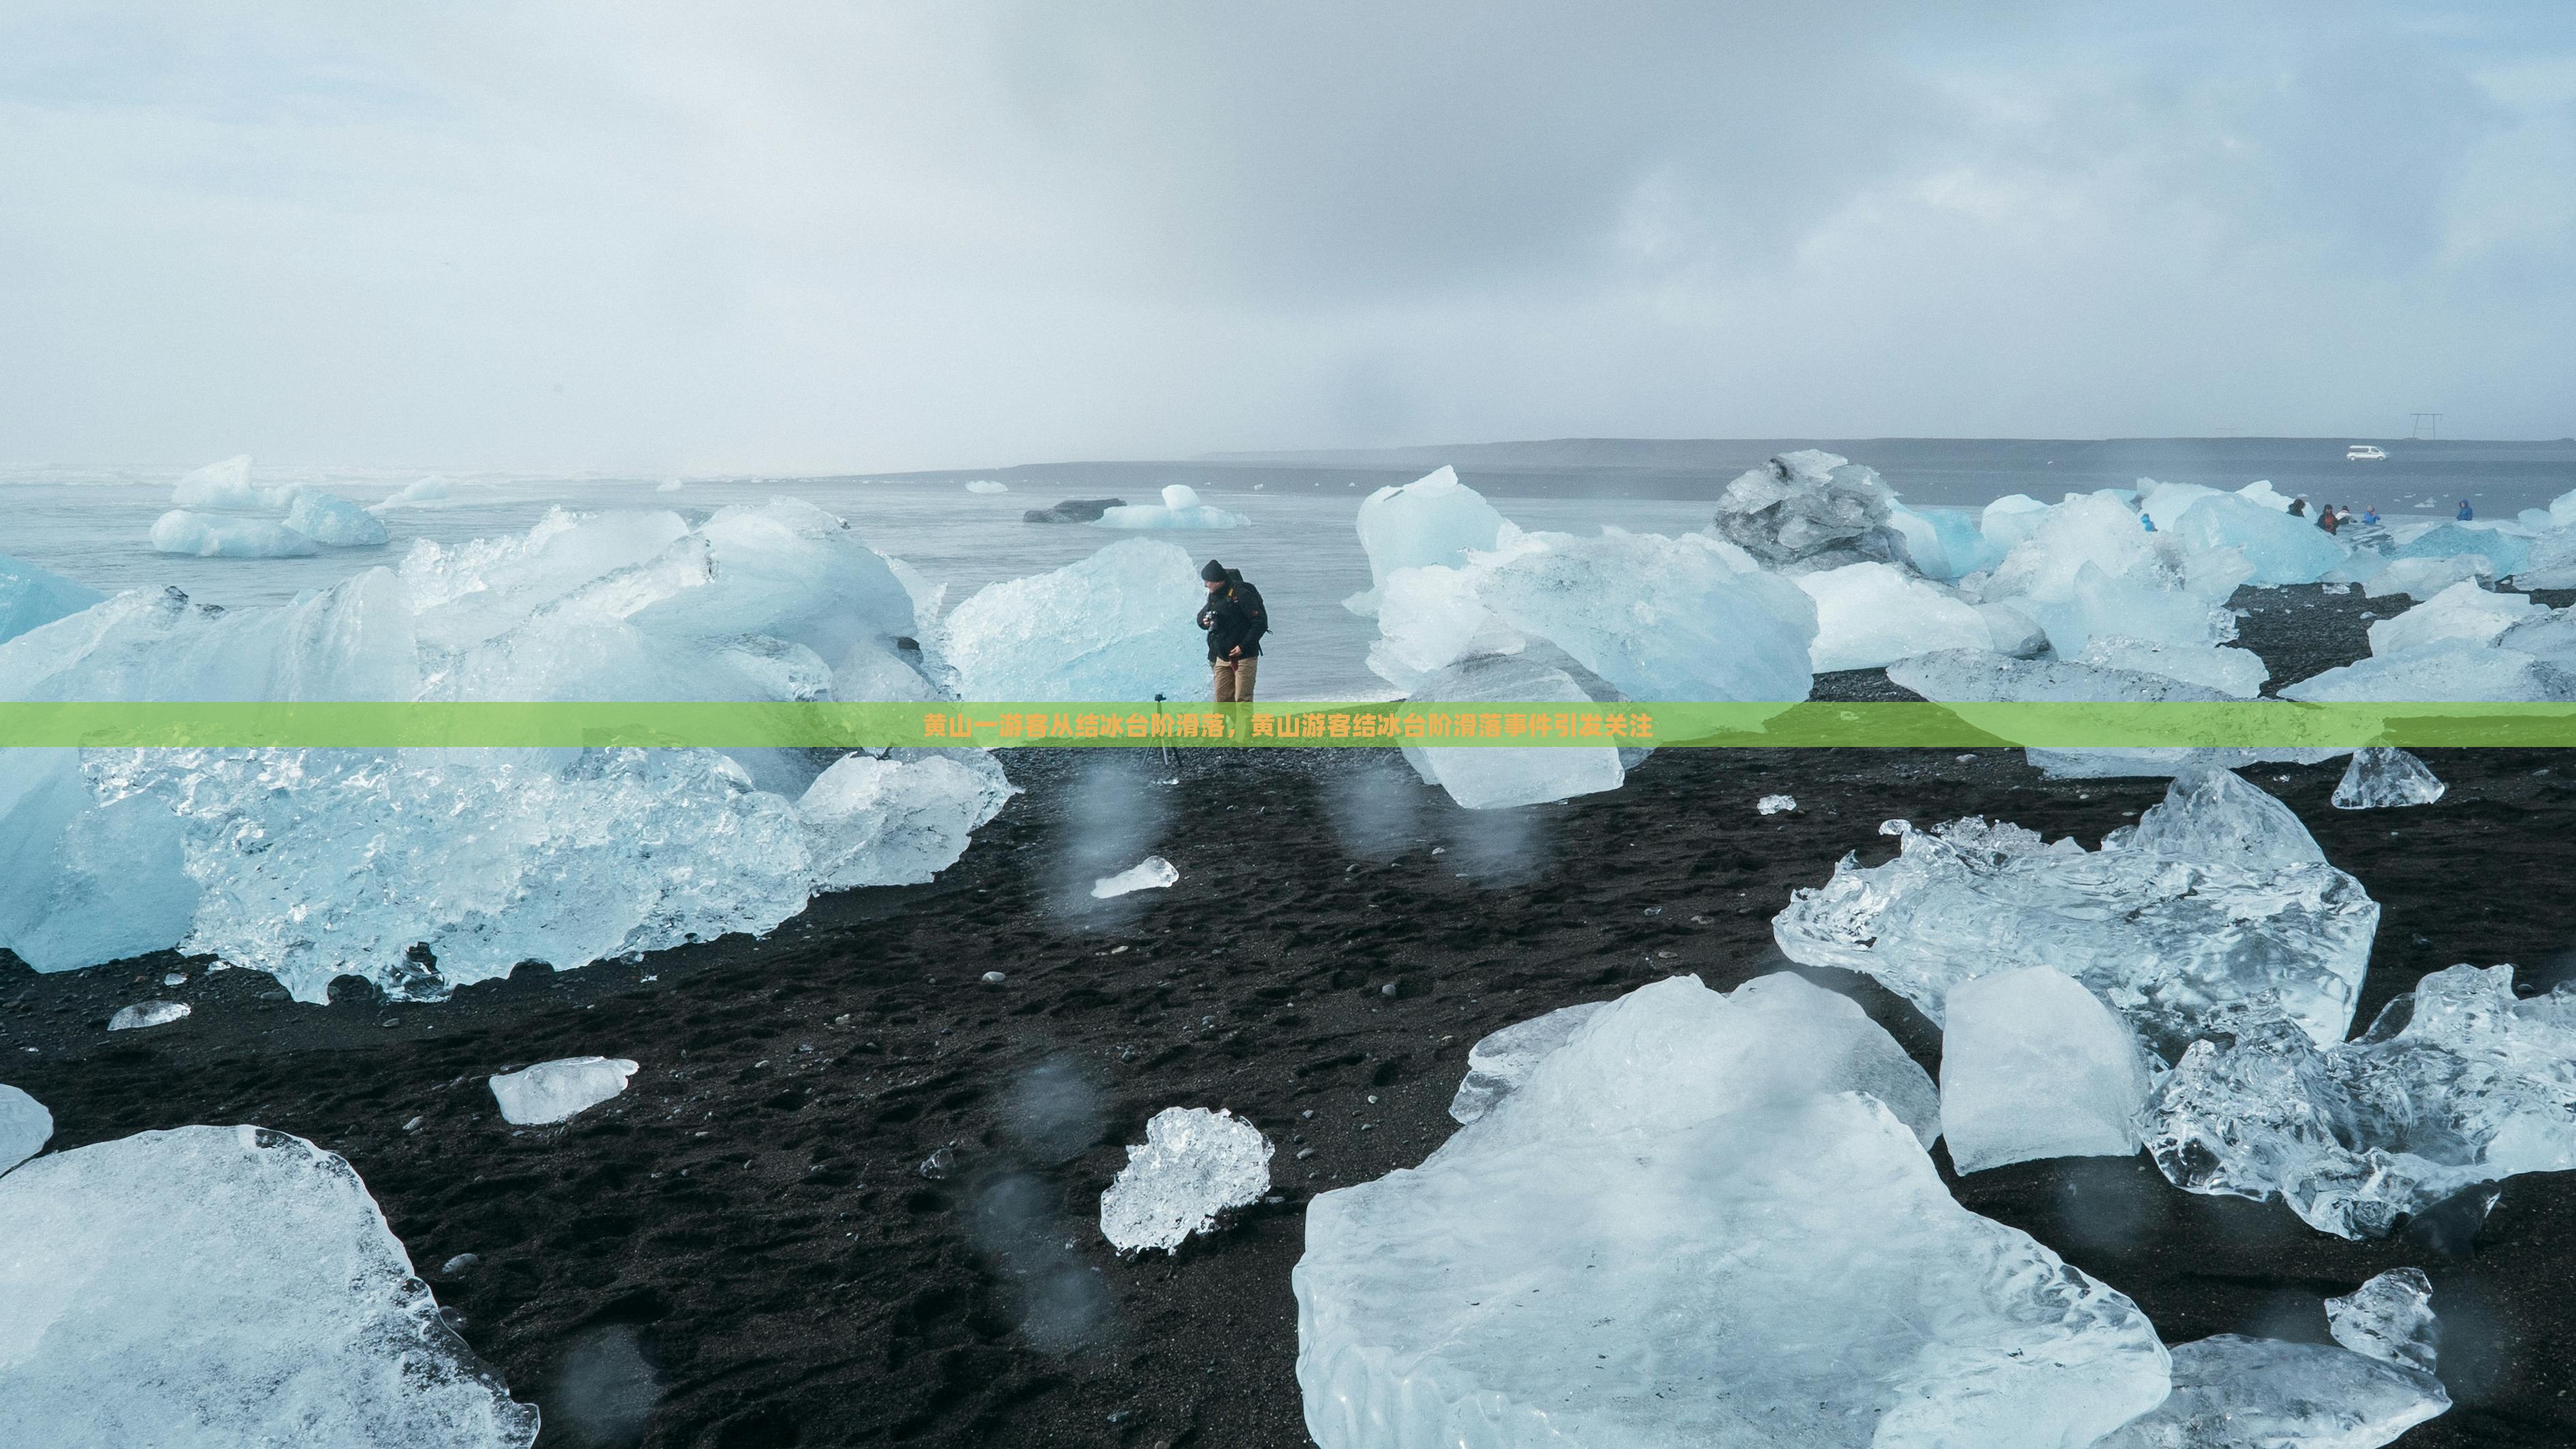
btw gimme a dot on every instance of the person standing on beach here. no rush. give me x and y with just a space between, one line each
1235 621
2299 506
2466 512
2327 520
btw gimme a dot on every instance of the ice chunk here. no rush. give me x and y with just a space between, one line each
2012 633
1498 1063
2452 670
669 485
2095 763
25 1127
1659 618
2236 673
335 521
143 1014
558 1091
224 1286
1945 543
2233 1392
1978 676
2380 777
2425 577
1153 873
1432 521
2033 1065
2215 815
1496 777
2283 548
2010 519
1121 624
1690 1225
2463 612
2549 636
2505 553
2078 533
1810 507
1776 804
987 485
1192 1165
2171 942
2457 1083
82 882
432 490
1180 508
871 821
1870 614
30 596
219 485
1073 510
208 535
2389 1318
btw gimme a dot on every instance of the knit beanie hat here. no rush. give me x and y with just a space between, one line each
1214 573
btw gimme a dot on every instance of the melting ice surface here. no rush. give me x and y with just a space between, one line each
267 1303
1499 1062
2033 1065
1120 624
2381 777
309 863
1192 1165
25 1126
2457 1083
556 1091
2218 898
1704 1219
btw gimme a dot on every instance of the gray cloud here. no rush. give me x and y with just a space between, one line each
672 236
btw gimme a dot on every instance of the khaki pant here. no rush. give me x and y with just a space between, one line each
1234 679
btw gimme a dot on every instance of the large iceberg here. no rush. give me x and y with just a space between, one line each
2087 567
2457 1083
1659 618
2283 548
1872 614
1433 520
2033 1065
224 1285
307 863
212 535
30 596
1810 509
1498 777
224 485
1702 1221
2216 900
336 521
1180 508
1121 624
2505 553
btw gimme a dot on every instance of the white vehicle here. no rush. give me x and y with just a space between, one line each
2363 452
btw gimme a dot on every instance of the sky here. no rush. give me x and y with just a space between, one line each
783 238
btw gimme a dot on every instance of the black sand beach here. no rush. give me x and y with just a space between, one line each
752 1218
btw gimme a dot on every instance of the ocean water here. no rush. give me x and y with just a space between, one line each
1302 549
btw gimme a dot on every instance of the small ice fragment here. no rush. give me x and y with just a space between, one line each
2234 1392
147 1013
672 486
2389 1318
1193 1164
25 1127
1497 1064
2032 1066
987 485
1151 873
938 1165
1776 804
175 978
993 978
2380 777
461 1263
557 1090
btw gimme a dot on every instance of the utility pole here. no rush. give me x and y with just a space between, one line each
2427 426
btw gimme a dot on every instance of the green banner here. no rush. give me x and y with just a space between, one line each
1113 724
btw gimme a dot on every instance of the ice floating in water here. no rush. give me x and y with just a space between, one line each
987 485
224 1285
144 1014
1121 624
1153 873
219 485
1811 508
2234 1392
1776 804
1870 614
1497 1064
2425 577
2212 905
2033 1065
2451 671
208 535
2389 1318
556 1091
1700 1222
2380 777
421 492
2462 612
1498 777
30 596
335 521
2458 1083
1192 1165
1180 508
1433 520
25 1127
671 485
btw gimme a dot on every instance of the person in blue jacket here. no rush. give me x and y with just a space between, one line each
2466 512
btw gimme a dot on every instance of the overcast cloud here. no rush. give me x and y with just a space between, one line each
857 237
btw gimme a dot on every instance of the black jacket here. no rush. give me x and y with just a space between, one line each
1234 616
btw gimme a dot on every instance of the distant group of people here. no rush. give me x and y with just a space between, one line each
2330 518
